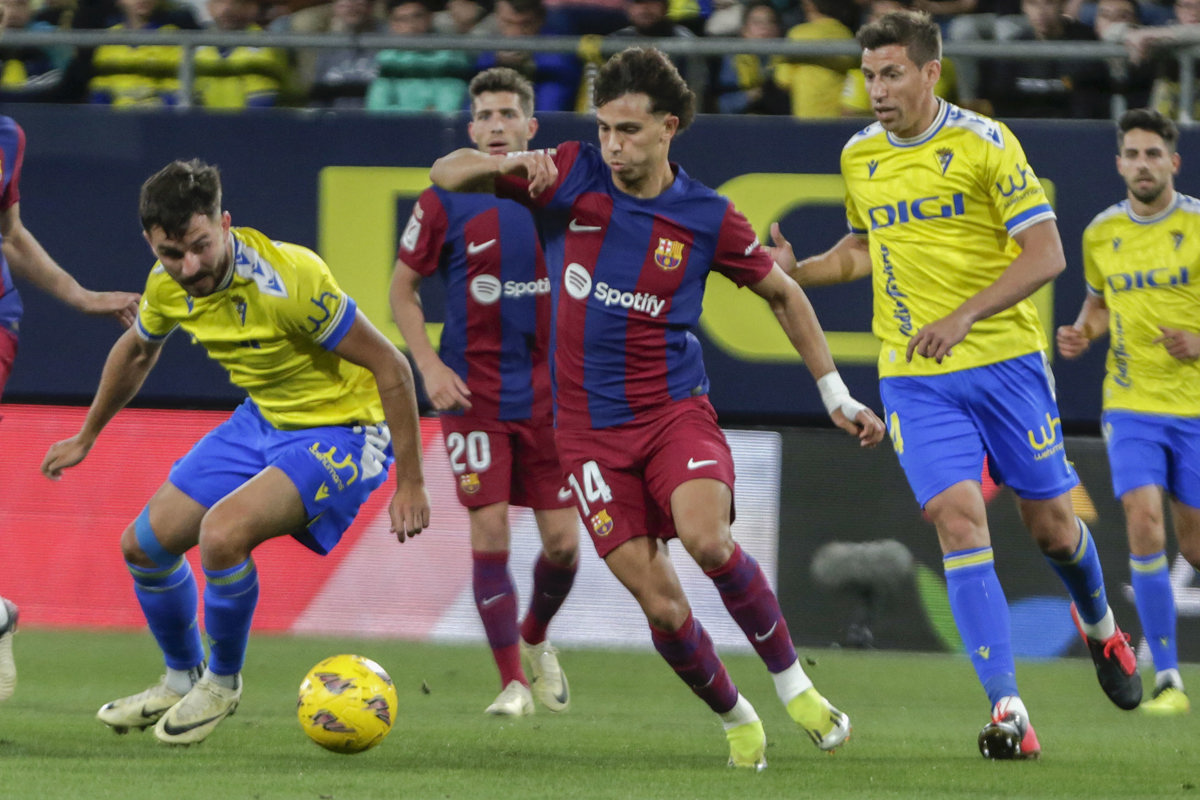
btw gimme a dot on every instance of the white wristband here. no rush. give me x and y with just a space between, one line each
836 396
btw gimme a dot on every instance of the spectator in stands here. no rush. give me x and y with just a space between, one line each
342 74
1151 45
414 80
856 101
466 16
975 21
816 83
238 77
650 19
320 18
30 74
140 75
1114 20
555 76
745 83
1049 87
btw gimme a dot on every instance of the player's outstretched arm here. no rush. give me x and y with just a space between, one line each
1073 340
128 364
30 261
846 261
469 170
446 390
799 322
364 345
1041 260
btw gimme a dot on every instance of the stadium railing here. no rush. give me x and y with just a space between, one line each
1185 53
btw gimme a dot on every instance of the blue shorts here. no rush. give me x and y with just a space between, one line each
1154 450
335 468
943 426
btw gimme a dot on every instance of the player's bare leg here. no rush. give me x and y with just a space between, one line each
153 546
265 507
553 576
701 511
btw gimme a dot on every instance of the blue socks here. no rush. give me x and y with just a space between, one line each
168 599
1082 576
230 596
1151 579
981 613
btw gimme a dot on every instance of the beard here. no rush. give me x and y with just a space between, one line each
1149 194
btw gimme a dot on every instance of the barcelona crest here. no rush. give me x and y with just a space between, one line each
669 253
602 523
469 482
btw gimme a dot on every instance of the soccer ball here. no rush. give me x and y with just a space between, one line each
347 704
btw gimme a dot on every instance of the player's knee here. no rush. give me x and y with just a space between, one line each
141 547
666 614
221 546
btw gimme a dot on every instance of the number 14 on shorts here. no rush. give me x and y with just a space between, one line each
591 489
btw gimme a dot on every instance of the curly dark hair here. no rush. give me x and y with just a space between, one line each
1147 119
171 197
648 71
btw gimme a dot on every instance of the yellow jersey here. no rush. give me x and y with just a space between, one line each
1148 271
271 325
939 213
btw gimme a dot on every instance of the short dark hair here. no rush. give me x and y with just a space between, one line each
914 30
174 195
503 79
1147 119
648 71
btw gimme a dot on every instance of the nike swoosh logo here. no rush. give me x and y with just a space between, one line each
762 637
694 464
171 730
487 601
473 249
577 228
564 494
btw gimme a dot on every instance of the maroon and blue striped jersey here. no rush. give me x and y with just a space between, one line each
497 325
12 155
627 278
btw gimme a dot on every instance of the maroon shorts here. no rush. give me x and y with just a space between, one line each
496 462
8 354
622 477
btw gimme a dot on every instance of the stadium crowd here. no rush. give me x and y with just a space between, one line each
401 79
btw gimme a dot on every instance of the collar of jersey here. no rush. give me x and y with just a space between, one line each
675 188
233 259
939 119
1166 212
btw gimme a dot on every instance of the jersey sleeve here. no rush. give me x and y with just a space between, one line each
425 234
12 158
1091 270
856 223
153 323
1016 192
739 255
318 309
511 187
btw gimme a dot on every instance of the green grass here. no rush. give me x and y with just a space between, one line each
633 731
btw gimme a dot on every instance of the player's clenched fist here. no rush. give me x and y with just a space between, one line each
1071 340
536 165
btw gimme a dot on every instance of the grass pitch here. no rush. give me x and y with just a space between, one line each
633 731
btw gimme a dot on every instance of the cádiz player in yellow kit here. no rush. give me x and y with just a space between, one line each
1141 261
327 392
950 221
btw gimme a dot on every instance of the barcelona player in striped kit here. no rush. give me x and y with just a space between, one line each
1141 261
24 257
630 241
955 230
491 384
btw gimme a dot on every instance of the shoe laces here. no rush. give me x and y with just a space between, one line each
1117 646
